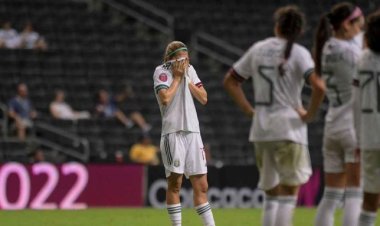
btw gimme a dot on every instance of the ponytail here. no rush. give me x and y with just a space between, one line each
288 50
330 22
290 21
322 34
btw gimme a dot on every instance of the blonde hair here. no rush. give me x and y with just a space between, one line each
171 47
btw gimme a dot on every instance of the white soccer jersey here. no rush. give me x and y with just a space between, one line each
339 61
276 96
180 114
368 79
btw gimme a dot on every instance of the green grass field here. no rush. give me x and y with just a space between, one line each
142 217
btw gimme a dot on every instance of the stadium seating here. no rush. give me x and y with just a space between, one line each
242 22
87 52
90 50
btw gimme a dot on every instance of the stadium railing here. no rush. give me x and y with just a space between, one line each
215 48
153 17
78 147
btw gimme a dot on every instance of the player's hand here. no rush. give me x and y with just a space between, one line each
179 68
303 114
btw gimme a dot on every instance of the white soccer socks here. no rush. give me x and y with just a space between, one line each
175 214
270 210
204 211
352 206
367 218
286 206
326 208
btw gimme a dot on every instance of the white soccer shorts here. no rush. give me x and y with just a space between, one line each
282 162
371 170
183 153
338 149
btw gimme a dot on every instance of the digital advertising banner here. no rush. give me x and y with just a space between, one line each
70 186
79 186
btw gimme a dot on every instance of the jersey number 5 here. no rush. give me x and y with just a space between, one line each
371 91
333 87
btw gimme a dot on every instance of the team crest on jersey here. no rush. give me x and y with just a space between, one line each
163 77
176 163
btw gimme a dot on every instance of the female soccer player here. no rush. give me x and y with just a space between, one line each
367 120
336 55
278 68
176 83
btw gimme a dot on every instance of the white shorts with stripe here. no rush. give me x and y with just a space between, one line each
183 153
371 171
282 162
338 149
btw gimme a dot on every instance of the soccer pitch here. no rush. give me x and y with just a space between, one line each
143 217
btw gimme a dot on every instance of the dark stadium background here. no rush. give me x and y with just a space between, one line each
114 44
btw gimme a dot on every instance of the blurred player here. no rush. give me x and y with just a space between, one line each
176 83
278 68
367 119
336 55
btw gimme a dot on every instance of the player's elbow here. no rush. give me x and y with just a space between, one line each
164 98
226 81
229 83
318 84
320 88
203 101
165 101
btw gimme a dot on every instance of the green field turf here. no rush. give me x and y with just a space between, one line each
142 217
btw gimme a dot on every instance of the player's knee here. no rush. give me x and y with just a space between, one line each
174 186
371 201
353 174
288 190
201 187
174 189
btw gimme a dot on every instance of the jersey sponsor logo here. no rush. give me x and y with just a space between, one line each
163 77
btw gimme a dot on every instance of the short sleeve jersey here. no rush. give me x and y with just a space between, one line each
368 80
276 96
180 114
339 61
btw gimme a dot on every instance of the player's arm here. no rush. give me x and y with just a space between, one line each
234 89
166 95
199 92
317 95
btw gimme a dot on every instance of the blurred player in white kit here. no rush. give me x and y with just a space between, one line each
367 119
278 68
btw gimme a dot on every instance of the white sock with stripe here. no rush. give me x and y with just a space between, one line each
286 206
367 218
204 211
174 212
326 208
270 210
352 206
